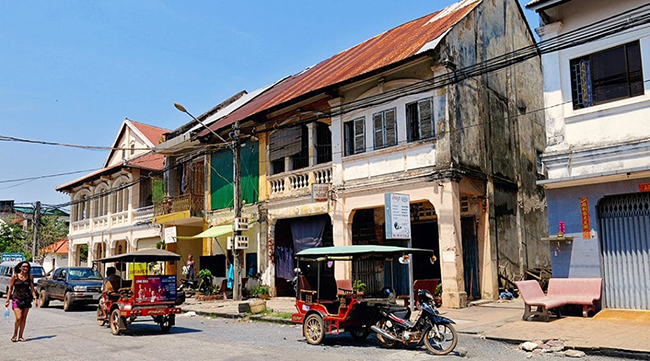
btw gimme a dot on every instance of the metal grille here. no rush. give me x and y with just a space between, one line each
625 233
367 271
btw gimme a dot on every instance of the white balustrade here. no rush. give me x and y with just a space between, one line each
119 218
277 185
283 184
298 181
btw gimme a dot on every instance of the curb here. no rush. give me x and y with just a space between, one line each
596 351
241 316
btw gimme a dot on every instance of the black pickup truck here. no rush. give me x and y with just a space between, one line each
72 285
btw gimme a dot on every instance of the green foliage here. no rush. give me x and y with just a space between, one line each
205 273
83 253
438 290
359 286
261 290
14 239
52 229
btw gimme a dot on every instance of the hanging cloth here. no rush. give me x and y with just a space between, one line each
308 233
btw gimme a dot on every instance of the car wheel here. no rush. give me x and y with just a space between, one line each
43 300
67 302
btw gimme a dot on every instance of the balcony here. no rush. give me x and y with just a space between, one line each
296 183
185 206
113 220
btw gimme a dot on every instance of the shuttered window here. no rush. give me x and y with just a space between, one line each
355 138
419 119
385 129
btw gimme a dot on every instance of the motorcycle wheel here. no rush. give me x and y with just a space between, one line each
443 343
386 343
359 333
101 320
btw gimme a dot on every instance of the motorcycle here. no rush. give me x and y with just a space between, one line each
438 333
190 287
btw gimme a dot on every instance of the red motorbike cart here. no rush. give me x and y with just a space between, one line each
153 295
332 308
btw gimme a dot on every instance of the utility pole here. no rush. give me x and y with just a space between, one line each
236 288
36 226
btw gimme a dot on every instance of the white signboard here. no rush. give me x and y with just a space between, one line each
170 235
398 216
320 192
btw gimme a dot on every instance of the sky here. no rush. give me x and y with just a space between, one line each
71 71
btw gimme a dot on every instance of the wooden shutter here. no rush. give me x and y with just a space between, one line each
391 127
426 119
378 121
359 138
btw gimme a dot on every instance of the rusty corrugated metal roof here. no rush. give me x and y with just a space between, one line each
380 51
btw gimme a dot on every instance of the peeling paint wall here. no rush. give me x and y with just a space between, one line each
496 128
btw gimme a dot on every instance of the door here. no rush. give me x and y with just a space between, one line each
625 248
470 257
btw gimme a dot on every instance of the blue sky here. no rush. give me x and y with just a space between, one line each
71 71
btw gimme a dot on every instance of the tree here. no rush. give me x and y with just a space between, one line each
53 229
14 239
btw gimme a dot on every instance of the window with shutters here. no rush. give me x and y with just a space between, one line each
384 129
606 76
419 120
355 139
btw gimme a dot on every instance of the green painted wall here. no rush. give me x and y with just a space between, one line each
221 177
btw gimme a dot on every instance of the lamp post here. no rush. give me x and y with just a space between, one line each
234 147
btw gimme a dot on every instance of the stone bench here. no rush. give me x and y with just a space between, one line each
576 291
561 291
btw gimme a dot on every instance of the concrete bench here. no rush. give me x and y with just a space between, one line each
576 291
533 295
561 291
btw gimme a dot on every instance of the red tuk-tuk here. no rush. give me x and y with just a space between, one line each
151 295
331 308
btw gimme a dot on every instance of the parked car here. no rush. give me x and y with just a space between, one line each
7 270
72 285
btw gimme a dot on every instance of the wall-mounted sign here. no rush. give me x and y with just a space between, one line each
320 192
645 187
398 216
170 235
13 257
584 211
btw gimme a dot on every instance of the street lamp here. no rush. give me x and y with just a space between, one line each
234 147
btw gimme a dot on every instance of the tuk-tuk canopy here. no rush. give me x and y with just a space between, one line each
359 251
143 256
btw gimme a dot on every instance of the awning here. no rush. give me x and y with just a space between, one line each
143 256
349 252
212 232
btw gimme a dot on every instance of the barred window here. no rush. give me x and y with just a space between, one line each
606 76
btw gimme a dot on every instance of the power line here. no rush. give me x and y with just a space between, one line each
6 138
45 176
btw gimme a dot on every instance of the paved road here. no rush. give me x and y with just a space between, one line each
56 335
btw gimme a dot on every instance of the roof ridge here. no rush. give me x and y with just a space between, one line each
149 125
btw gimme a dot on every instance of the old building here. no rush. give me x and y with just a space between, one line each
597 108
112 208
371 120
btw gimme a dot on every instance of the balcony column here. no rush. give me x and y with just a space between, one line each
311 141
337 141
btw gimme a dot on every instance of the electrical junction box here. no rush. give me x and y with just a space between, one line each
241 242
241 224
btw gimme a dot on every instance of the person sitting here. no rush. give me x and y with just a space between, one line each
112 281
111 285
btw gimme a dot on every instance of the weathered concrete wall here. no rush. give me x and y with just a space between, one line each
495 128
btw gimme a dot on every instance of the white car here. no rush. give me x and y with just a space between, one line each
7 270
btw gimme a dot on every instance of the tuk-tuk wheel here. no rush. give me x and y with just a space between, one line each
314 329
166 323
359 333
114 321
101 319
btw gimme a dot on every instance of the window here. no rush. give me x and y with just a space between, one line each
323 143
132 148
419 120
606 76
385 129
301 159
277 166
355 140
